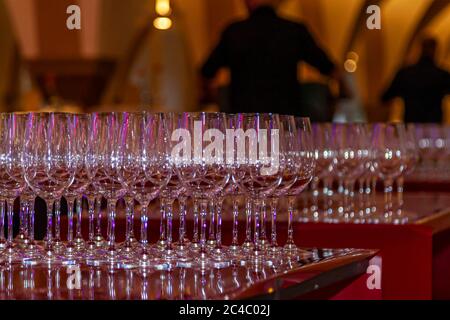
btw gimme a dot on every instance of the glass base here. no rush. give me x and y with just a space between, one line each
79 243
220 258
11 255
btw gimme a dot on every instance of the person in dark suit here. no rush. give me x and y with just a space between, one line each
422 87
262 53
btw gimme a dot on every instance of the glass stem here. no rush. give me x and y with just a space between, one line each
70 203
219 203
79 208
31 219
341 195
91 213
129 202
235 241
203 214
248 222
162 229
2 221
400 182
58 220
144 225
23 229
273 209
290 236
374 194
49 235
10 214
212 214
257 204
98 226
169 210
182 228
388 183
195 236
112 224
263 234
315 197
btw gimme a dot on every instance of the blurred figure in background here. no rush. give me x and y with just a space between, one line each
262 53
422 86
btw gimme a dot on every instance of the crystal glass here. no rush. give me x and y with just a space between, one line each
12 183
198 157
352 155
256 167
301 152
103 162
145 168
79 131
49 166
389 148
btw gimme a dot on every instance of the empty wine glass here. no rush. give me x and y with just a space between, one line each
145 167
198 156
79 131
410 160
325 155
12 183
256 166
388 147
103 163
299 146
352 154
48 162
289 169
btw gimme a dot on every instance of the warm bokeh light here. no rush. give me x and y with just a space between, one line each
162 7
350 65
162 23
352 55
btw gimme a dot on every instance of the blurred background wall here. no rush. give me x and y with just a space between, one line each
122 59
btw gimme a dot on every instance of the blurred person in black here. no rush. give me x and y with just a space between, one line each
262 54
422 86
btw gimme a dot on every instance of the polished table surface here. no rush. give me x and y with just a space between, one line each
319 269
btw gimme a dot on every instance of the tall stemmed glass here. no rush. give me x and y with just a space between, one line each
33 251
289 169
256 167
12 183
325 155
198 156
388 147
410 159
301 150
49 164
145 167
352 155
79 130
103 163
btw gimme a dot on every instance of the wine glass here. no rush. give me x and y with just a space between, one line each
289 169
299 146
103 163
145 168
388 147
198 151
325 155
352 154
256 166
12 183
79 131
49 166
410 159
